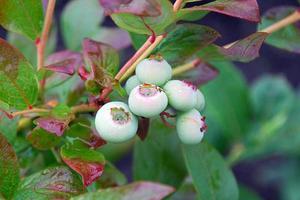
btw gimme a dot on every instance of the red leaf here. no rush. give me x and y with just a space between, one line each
96 141
143 128
89 171
244 9
64 62
246 49
52 125
144 8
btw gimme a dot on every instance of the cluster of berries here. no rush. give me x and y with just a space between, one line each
152 92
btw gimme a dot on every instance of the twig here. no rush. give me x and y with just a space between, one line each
84 108
33 110
292 18
41 43
142 53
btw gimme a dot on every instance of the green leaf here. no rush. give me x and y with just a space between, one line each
184 41
287 38
186 191
211 176
276 128
136 24
18 80
88 14
24 17
51 183
43 140
61 111
248 194
28 47
228 120
134 191
156 159
271 96
138 40
9 169
188 15
8 127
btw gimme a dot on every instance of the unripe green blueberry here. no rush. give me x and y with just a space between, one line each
115 123
190 127
131 83
182 95
200 101
154 70
147 100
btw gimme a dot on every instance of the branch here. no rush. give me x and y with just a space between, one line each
141 54
292 18
41 44
30 111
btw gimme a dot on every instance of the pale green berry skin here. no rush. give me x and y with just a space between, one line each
131 83
147 105
200 101
115 131
188 126
182 96
152 71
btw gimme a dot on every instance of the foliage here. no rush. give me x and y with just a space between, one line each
49 148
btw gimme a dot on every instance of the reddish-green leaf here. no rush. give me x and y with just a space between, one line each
52 125
25 17
81 130
18 80
137 190
184 41
87 162
147 25
141 8
244 50
42 139
244 9
66 62
287 38
102 59
51 183
9 169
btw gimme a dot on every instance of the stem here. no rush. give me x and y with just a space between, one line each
177 5
41 44
84 108
141 54
292 18
186 67
127 65
33 110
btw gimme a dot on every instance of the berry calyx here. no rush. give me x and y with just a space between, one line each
191 127
147 100
154 70
115 123
182 95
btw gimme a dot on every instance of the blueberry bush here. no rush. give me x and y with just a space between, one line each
178 103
